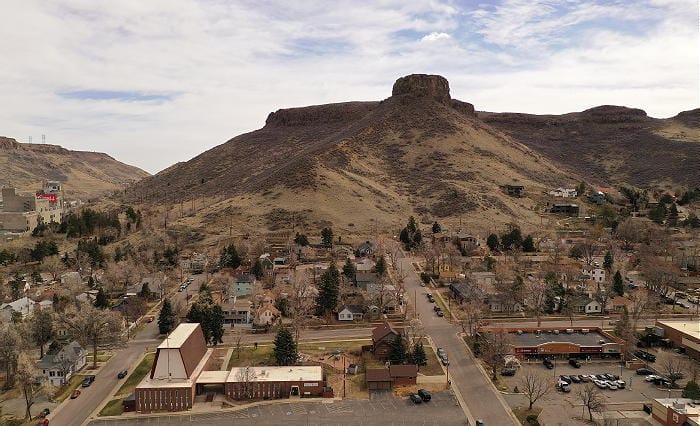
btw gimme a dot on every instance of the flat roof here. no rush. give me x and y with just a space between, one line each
279 374
178 337
689 327
212 377
688 405
530 339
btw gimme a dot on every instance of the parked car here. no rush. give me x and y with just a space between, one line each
601 384
508 372
424 395
415 398
585 378
122 374
436 308
45 412
610 377
611 385
644 372
601 377
43 422
75 394
441 352
445 361
431 299
620 383
645 355
651 378
564 387
574 363
575 379
87 381
440 313
565 378
548 363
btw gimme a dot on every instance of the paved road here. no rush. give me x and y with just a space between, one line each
441 410
483 401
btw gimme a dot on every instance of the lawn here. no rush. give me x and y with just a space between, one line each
329 347
433 368
137 375
101 357
64 391
249 355
113 408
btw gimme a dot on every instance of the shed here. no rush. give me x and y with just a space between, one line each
378 379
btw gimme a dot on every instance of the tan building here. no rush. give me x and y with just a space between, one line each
675 412
22 213
274 382
683 333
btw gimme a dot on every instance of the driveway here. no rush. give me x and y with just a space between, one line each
443 409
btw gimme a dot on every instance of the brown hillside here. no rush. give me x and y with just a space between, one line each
83 174
613 145
357 164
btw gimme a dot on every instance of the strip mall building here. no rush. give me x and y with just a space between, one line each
683 334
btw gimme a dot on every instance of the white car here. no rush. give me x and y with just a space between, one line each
612 385
651 378
620 383
601 384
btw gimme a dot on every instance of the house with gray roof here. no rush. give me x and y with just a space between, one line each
59 367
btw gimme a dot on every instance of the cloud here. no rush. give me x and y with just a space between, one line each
157 82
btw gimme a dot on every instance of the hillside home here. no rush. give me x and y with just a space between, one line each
563 193
155 286
59 367
364 264
566 209
351 313
382 337
593 273
267 314
25 306
71 278
597 197
365 249
240 285
237 312
514 190
586 305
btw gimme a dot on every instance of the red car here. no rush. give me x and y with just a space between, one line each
75 394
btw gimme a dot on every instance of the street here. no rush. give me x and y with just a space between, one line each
482 399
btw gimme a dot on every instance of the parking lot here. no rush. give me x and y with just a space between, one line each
381 409
562 408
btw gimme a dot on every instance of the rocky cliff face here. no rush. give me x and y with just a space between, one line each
434 87
614 114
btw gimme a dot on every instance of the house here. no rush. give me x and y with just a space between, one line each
364 264
155 286
373 312
503 303
464 291
351 313
237 312
394 375
483 279
513 190
563 192
59 367
382 336
467 242
567 209
268 297
378 379
266 263
619 303
403 374
586 305
25 306
46 305
267 314
366 280
597 197
240 285
594 273
365 249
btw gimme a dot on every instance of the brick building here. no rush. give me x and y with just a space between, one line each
274 382
683 334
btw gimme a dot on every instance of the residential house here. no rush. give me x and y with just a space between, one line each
378 379
268 297
597 197
382 337
373 312
364 264
366 280
59 367
266 263
71 278
403 374
237 312
586 305
394 375
502 303
465 291
351 313
25 306
46 305
619 303
563 192
240 285
195 263
467 242
267 314
566 209
594 273
155 286
484 279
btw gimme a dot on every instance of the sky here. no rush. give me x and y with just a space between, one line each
156 82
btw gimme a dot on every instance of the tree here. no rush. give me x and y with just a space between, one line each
94 328
673 368
10 341
16 286
419 357
25 376
301 240
285 348
608 261
42 330
512 239
658 213
537 296
101 300
397 350
493 347
380 266
167 318
410 235
327 298
257 270
229 257
349 270
145 292
591 398
327 237
618 285
528 244
576 252
673 215
214 322
691 390
245 377
436 228
534 386
581 189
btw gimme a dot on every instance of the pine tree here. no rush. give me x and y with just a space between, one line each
327 298
380 267
301 240
42 329
691 390
608 260
349 270
618 286
436 228
145 292
285 348
229 257
529 244
419 357
492 242
166 318
397 351
673 215
101 300
214 321
257 270
327 237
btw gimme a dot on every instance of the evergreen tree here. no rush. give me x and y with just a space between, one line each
691 390
42 329
608 260
101 300
301 239
285 348
380 267
16 286
618 285
91 282
576 252
658 213
419 357
229 257
327 237
214 322
673 215
397 351
327 298
145 292
512 239
492 242
411 235
166 319
436 228
581 189
349 270
529 244
257 270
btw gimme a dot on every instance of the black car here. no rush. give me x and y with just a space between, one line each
440 313
548 363
575 379
508 372
424 395
87 381
565 378
122 374
436 308
574 363
644 372
416 398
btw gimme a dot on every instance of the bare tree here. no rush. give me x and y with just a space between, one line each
471 315
26 382
53 266
493 347
534 386
237 344
245 377
591 398
536 291
673 367
10 342
94 328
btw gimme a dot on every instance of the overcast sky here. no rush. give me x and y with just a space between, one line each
154 82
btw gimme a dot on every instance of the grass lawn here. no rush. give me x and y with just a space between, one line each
137 375
328 347
433 368
263 355
521 413
101 357
64 391
113 408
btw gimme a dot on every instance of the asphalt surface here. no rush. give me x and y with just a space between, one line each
482 399
443 409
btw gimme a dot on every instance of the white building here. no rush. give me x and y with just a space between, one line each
563 192
595 274
58 368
